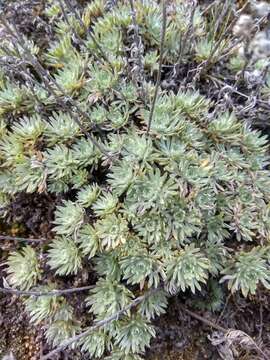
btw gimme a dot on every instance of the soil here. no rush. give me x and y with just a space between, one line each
17 335
179 335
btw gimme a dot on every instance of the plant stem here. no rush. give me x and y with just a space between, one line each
47 293
139 52
16 238
204 320
162 40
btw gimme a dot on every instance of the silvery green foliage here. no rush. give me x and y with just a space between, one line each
68 218
89 241
115 297
43 307
154 305
247 270
23 268
60 128
87 195
95 344
56 312
134 334
60 330
153 211
64 256
188 269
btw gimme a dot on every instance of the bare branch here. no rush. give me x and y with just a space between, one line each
262 103
186 35
138 53
205 65
25 72
163 32
16 238
227 332
63 12
221 20
204 320
97 325
44 293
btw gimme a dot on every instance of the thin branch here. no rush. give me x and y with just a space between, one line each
44 293
204 320
162 40
227 332
74 30
138 44
222 17
183 42
263 79
204 66
224 308
209 7
28 77
231 88
16 238
231 48
97 325
241 338
63 12
216 46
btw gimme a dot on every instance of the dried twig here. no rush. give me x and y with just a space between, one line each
81 41
204 320
239 40
63 12
163 32
209 7
263 103
263 79
138 53
224 308
233 335
186 37
242 338
220 21
25 72
16 238
207 62
204 66
186 43
44 293
97 325
76 33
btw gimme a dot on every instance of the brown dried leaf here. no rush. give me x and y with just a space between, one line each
241 338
